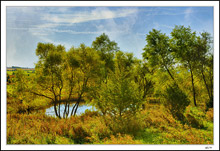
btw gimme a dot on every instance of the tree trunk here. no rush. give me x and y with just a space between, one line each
76 105
211 85
64 112
76 108
68 108
55 109
206 84
73 109
170 73
194 92
59 109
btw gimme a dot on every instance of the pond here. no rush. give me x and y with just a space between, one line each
81 109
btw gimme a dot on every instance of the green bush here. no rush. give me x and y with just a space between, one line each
176 101
195 117
119 98
209 115
209 104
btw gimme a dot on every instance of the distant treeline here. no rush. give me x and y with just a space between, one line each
17 67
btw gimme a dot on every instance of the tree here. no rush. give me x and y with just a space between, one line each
143 77
158 52
20 91
85 63
71 66
49 69
176 101
183 45
204 61
209 82
119 98
106 49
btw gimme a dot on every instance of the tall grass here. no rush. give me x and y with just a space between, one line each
155 125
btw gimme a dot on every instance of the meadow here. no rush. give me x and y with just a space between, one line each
155 126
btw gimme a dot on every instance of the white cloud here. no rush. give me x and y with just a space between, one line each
168 12
188 13
54 21
97 14
49 22
117 29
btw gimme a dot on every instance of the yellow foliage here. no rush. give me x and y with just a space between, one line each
91 128
121 139
209 114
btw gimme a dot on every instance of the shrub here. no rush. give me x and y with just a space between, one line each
176 101
209 104
209 114
119 101
195 117
157 116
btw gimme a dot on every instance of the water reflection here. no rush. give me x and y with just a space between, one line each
81 109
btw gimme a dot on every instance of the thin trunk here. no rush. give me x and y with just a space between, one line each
76 108
55 98
55 109
73 109
194 92
68 109
206 84
69 100
59 108
60 95
211 85
64 112
70 93
85 80
170 74
77 103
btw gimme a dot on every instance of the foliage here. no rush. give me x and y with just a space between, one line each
182 44
176 101
106 50
157 50
158 127
174 70
120 97
209 115
49 77
86 129
21 97
143 77
121 139
195 117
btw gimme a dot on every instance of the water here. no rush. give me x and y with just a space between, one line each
81 109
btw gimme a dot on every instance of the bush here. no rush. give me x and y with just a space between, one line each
195 117
176 101
209 104
119 102
209 115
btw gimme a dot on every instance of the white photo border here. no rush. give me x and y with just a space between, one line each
214 4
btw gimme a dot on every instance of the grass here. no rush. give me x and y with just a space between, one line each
156 126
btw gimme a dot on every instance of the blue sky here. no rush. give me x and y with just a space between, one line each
71 26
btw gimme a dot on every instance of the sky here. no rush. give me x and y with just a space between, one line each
71 26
